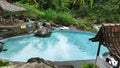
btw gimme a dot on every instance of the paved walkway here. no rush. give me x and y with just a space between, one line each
75 64
102 64
79 63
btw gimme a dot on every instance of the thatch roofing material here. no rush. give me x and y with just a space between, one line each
109 35
9 7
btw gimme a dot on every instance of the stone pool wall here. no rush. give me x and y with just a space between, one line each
18 30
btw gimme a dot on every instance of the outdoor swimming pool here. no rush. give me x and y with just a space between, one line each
63 45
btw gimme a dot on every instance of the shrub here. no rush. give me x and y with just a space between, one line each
91 65
4 63
50 14
64 18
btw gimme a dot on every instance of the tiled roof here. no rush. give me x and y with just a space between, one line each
109 35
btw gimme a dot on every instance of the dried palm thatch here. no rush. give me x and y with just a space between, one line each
9 7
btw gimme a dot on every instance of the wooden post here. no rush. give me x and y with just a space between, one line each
98 53
0 11
11 19
1 15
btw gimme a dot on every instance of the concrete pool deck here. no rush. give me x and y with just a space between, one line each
79 63
76 63
68 64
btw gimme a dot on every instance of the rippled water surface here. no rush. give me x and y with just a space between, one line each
61 46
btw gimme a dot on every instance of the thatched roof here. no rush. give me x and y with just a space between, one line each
9 7
109 35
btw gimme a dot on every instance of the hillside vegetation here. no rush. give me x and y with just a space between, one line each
67 12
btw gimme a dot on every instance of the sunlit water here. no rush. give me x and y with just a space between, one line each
61 46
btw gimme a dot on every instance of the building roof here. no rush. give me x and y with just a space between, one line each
109 35
9 7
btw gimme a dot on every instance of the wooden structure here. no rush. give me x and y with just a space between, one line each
109 36
7 7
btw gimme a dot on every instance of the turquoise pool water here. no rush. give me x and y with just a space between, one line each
63 45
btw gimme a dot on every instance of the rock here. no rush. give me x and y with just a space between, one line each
38 60
77 27
1 46
41 62
43 33
65 66
35 65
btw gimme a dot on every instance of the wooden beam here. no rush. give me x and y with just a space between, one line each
11 19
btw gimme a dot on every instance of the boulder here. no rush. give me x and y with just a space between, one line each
41 62
38 60
1 46
44 32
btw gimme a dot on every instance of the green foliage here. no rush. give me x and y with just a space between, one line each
64 19
91 9
60 5
107 10
4 63
91 2
31 10
63 11
83 2
32 2
88 65
50 14
63 5
101 10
